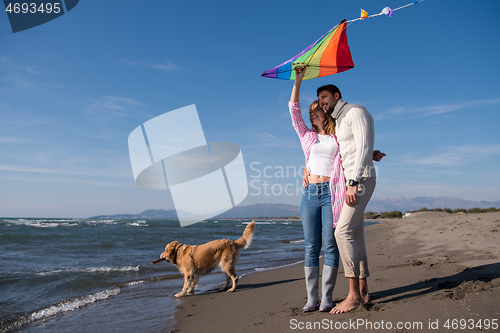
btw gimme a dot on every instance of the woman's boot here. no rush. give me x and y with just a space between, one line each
312 280
328 283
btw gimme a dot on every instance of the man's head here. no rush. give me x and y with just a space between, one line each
328 96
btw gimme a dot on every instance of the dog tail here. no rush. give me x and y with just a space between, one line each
246 239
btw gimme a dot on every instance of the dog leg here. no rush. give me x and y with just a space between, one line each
186 287
228 278
234 277
193 279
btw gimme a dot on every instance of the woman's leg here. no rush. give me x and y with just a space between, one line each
330 249
310 213
329 243
311 221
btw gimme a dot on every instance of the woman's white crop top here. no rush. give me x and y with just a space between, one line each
321 157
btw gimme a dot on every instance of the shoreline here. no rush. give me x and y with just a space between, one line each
425 269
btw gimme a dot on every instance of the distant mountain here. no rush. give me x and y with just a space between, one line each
250 211
403 204
261 210
147 214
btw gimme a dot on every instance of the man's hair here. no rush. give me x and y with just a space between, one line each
331 88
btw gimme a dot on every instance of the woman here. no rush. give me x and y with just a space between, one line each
322 199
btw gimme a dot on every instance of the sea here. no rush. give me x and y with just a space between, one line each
95 275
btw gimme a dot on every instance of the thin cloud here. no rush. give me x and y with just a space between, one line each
454 156
42 170
269 135
4 139
71 181
265 139
169 66
166 67
30 69
16 68
113 106
421 112
111 173
22 83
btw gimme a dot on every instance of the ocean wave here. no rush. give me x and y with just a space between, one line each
42 223
262 269
73 304
112 269
138 224
102 221
57 220
297 241
104 269
134 283
57 309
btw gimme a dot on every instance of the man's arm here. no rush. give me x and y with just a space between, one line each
362 128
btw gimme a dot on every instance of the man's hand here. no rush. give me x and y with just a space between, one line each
305 177
350 196
378 155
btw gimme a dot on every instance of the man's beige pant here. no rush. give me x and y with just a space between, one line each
350 232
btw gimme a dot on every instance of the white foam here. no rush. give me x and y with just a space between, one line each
102 221
73 304
57 220
43 223
297 241
112 269
133 283
138 224
262 269
105 269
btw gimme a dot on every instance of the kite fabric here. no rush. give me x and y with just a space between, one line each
328 55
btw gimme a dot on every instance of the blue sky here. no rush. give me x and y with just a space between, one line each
73 89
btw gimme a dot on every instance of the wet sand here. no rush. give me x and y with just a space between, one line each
430 272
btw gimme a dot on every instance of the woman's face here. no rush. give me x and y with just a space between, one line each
317 117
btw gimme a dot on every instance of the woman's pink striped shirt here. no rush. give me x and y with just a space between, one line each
307 138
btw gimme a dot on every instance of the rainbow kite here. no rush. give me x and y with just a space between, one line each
328 55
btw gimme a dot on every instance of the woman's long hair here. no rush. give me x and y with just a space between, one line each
329 123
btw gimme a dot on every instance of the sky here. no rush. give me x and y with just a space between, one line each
73 89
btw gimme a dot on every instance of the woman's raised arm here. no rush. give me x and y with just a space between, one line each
299 75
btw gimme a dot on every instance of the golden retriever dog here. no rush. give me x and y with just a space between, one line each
197 260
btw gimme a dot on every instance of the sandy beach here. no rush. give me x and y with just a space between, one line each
430 272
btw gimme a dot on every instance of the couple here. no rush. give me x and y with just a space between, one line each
339 180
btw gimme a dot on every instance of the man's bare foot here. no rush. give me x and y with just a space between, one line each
363 291
349 304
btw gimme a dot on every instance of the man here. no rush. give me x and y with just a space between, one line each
355 135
